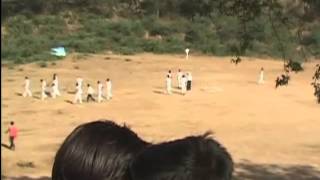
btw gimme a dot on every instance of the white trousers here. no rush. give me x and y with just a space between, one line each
57 92
183 89
179 82
169 90
99 96
261 80
27 92
109 94
43 95
78 97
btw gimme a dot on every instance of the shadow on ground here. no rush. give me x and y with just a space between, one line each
247 170
5 146
68 101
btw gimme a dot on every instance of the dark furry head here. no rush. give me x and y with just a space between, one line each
190 158
100 150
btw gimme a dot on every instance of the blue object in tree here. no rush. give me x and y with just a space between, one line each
59 51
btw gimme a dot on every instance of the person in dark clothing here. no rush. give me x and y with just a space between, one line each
189 81
90 93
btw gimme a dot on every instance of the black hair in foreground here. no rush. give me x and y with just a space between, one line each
190 158
99 150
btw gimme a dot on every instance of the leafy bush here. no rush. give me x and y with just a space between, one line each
29 36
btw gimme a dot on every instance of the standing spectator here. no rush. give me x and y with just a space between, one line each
13 132
169 74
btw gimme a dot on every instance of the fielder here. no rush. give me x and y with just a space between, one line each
78 96
56 85
27 91
169 84
183 84
109 89
261 76
55 91
43 89
100 90
79 81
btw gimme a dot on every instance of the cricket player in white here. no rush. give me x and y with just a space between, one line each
56 85
187 53
179 77
261 76
100 87
79 81
43 89
109 89
169 74
27 91
169 84
183 84
78 96
90 93
55 91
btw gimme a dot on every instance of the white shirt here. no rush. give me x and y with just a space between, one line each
55 81
187 51
189 77
79 81
54 86
179 75
109 85
168 80
100 87
183 81
79 89
27 83
43 85
90 90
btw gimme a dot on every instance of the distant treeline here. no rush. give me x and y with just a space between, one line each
30 28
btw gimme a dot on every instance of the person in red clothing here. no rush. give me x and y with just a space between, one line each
13 132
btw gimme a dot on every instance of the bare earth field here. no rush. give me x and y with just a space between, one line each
272 134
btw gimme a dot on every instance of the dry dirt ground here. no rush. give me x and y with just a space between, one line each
271 133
